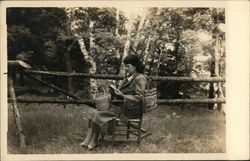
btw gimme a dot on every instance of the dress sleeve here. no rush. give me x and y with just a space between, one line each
140 85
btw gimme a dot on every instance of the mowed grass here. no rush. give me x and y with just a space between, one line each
53 129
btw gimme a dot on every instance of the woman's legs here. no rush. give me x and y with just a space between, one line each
89 134
94 129
94 140
92 135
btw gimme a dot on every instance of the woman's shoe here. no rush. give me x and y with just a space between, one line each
83 144
92 147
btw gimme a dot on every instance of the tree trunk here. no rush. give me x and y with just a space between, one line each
150 59
159 62
138 34
145 58
151 63
21 137
211 85
127 46
117 22
125 53
92 69
69 67
118 54
213 72
91 35
217 73
86 54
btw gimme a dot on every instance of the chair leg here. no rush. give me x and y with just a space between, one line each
113 132
102 136
139 133
128 128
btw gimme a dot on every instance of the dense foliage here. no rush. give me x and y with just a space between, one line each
172 42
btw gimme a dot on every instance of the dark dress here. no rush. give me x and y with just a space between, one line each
131 107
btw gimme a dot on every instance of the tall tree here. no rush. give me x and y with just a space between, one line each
93 43
75 29
140 26
117 22
187 31
127 44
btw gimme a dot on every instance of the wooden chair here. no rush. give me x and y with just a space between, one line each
134 126
130 126
125 129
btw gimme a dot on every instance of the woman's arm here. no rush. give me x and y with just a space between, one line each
140 85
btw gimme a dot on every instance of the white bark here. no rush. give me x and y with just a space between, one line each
216 68
127 45
86 54
218 87
138 34
145 58
117 22
92 69
91 35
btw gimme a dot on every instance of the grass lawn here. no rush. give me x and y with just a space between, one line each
53 129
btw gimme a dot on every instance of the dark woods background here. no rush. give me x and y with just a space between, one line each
177 42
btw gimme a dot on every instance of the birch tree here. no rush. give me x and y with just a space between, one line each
140 26
74 28
129 26
117 22
146 53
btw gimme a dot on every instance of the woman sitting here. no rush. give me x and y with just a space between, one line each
131 90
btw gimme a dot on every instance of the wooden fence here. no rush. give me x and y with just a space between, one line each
78 100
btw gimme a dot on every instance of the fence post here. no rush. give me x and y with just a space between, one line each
17 118
211 95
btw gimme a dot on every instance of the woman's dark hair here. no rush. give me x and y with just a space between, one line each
135 61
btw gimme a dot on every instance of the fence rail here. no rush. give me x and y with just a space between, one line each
90 102
117 77
78 100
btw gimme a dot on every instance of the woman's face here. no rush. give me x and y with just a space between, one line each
130 69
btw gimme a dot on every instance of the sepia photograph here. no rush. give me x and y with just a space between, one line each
91 79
